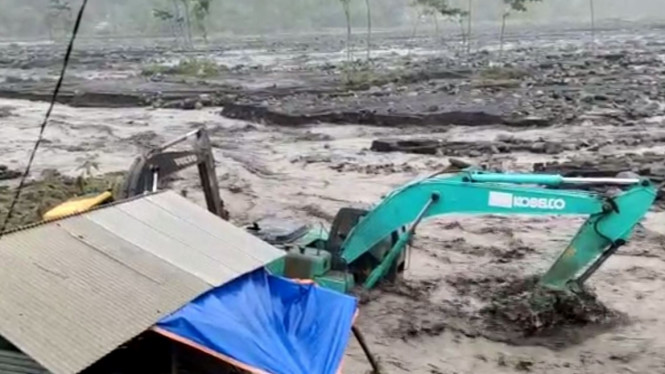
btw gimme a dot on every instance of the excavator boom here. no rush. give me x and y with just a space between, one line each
610 223
147 170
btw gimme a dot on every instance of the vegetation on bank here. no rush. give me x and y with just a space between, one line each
202 18
189 23
190 67
51 189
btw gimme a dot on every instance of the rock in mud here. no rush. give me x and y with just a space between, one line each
5 111
524 365
373 169
312 159
145 139
6 173
312 136
457 163
522 306
184 104
550 148
418 146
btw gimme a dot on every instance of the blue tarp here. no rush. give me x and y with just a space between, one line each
269 323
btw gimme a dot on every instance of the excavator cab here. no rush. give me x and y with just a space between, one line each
318 255
344 222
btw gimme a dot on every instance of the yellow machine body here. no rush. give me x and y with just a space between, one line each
77 205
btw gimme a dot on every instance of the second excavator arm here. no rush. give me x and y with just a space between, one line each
610 223
148 169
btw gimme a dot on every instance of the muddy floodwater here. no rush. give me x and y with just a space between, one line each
298 135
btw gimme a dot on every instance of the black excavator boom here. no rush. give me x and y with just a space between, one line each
148 169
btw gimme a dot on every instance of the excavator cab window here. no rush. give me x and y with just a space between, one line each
345 220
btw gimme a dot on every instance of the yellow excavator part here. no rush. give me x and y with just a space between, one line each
77 205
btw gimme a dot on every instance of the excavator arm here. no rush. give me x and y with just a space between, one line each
147 170
610 223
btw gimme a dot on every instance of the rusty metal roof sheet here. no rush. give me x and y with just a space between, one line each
73 290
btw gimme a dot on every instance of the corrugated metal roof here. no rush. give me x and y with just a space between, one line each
19 363
73 290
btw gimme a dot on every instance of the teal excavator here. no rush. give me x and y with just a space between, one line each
366 246
369 246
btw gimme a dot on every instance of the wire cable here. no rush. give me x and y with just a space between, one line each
58 85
